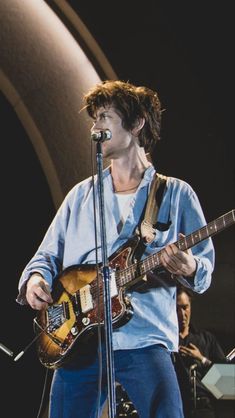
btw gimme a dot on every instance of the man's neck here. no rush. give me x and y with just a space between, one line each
184 332
129 168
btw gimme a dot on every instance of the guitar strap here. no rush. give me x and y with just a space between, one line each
149 223
146 229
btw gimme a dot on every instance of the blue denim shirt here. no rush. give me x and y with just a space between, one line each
70 240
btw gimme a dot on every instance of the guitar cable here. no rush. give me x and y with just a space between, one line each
43 394
21 353
10 353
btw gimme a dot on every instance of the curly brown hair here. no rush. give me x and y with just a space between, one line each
131 103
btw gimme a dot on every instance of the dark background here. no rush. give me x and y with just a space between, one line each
184 50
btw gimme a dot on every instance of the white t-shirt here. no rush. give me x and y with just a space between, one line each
123 201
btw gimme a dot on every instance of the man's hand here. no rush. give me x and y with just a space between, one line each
38 292
180 263
191 351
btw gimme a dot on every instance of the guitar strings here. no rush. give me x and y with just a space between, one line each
153 260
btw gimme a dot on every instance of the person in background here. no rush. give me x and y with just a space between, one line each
142 347
198 349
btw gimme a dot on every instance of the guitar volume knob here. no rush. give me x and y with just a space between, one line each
86 321
74 330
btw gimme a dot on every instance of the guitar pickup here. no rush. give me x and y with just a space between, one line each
86 298
113 285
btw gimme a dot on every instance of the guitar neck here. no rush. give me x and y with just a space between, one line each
206 231
152 262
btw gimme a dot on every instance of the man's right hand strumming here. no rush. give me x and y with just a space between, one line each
38 293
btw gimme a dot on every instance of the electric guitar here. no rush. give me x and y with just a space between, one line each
78 307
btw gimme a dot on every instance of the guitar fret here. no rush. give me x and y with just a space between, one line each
180 245
222 222
188 241
142 267
195 238
212 227
156 260
151 262
132 271
192 240
148 265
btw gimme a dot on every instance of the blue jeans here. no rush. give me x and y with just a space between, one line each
147 374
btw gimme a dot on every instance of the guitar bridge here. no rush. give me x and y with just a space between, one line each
57 315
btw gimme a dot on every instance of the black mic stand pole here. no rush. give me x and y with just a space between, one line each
106 282
193 380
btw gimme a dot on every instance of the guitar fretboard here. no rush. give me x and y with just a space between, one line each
152 262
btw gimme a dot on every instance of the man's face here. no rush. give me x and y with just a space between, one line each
108 118
183 311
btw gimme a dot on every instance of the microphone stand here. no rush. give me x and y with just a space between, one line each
106 282
193 377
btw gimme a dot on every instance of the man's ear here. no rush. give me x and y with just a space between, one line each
139 123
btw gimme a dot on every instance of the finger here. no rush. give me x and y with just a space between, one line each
168 259
46 288
172 252
184 350
35 302
192 345
43 294
38 305
188 251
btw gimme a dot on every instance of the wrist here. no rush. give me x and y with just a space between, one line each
205 361
34 278
194 269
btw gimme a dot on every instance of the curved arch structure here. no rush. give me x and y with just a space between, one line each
44 74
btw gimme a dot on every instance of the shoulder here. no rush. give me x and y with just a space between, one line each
80 187
179 184
84 189
207 335
179 189
77 193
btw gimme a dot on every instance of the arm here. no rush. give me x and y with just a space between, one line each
37 277
193 351
205 349
193 268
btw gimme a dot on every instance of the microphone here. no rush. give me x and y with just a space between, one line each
101 136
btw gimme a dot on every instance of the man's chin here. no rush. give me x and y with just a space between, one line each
183 325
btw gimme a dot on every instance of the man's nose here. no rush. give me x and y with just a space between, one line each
180 312
184 313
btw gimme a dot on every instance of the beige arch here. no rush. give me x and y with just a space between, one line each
44 74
